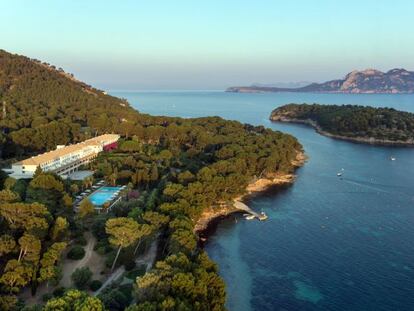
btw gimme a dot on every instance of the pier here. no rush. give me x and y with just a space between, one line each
243 207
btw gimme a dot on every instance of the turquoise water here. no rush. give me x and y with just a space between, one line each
103 195
329 243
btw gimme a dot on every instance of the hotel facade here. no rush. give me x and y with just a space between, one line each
64 159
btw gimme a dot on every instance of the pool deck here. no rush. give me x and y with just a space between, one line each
105 194
113 196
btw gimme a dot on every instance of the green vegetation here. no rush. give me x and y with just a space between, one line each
174 169
74 300
86 208
76 253
117 297
81 277
95 285
122 232
358 122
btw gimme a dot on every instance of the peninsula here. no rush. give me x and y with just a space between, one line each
381 126
394 81
149 190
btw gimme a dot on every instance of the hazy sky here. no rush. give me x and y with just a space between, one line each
211 44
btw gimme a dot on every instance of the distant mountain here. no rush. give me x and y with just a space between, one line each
367 81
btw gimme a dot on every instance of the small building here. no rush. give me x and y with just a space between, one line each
64 160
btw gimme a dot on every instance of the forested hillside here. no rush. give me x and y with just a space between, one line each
176 168
380 125
35 95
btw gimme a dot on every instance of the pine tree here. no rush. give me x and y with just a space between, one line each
122 232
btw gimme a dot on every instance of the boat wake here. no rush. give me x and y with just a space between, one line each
376 186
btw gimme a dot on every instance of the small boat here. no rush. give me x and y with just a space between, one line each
262 216
339 174
250 217
393 158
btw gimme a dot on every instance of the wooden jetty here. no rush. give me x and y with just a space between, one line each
243 207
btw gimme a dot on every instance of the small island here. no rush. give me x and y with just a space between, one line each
379 126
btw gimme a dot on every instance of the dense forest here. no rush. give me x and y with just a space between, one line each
173 168
379 125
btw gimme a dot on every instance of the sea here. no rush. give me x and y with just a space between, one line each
330 243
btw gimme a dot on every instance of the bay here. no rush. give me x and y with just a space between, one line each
329 243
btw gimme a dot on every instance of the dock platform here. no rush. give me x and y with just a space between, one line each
243 207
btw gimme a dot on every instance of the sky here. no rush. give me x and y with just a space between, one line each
211 44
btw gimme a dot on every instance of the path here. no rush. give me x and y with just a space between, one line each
145 259
93 260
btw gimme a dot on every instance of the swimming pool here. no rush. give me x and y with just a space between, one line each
103 195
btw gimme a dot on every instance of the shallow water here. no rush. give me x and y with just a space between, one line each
330 243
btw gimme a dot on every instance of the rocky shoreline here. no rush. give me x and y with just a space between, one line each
212 216
360 140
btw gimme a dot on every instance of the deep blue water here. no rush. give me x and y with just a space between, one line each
329 243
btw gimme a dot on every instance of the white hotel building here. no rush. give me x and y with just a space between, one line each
64 159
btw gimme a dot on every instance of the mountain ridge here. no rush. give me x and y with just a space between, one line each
368 81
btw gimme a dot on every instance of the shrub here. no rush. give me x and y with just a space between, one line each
47 297
76 253
126 289
110 259
81 277
35 307
59 291
114 299
81 240
129 264
100 250
95 285
138 271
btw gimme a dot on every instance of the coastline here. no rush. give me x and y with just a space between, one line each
359 140
211 217
261 91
